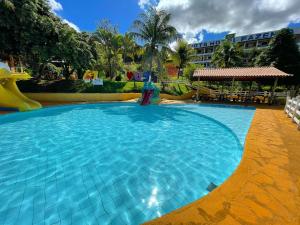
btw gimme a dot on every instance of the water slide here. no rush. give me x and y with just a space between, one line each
10 95
146 97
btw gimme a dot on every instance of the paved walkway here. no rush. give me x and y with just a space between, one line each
264 190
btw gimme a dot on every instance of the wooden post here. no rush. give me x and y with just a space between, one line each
11 64
250 88
198 89
21 65
298 108
232 86
273 90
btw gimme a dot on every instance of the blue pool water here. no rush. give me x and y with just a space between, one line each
114 163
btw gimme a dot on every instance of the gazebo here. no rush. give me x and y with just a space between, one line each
240 74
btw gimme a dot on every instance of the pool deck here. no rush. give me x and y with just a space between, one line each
265 188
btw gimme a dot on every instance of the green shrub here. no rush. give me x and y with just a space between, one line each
65 86
79 86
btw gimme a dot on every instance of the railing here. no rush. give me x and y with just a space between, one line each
250 93
292 109
243 96
175 82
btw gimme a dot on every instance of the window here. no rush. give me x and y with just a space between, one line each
263 43
250 44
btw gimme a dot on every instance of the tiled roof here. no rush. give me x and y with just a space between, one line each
240 73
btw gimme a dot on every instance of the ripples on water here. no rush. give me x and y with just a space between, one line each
111 163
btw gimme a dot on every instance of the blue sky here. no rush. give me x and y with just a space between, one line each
87 14
205 26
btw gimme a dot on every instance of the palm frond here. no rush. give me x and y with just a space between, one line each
8 4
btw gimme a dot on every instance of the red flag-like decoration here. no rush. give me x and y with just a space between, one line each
129 75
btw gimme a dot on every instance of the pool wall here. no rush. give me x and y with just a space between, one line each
95 97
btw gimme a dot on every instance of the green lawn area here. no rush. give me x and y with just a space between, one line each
175 89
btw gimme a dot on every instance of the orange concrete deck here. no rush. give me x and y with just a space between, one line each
264 190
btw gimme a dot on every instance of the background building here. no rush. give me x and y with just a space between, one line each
205 50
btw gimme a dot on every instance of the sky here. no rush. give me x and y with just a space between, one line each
196 20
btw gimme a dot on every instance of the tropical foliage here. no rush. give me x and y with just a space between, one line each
227 55
283 53
182 55
189 71
153 29
130 50
251 57
33 36
109 48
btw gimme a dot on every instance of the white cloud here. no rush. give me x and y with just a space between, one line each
192 37
144 3
274 5
75 27
184 4
192 17
55 6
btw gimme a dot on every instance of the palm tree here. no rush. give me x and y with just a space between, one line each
110 47
128 48
182 55
153 29
227 55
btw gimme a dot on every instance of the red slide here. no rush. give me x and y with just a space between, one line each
146 97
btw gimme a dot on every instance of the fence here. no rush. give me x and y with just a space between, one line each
245 96
292 109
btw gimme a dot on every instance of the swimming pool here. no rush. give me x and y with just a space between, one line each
116 163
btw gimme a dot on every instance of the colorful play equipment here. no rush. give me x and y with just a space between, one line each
130 75
10 95
150 93
138 76
92 77
134 76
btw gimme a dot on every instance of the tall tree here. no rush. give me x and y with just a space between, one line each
227 55
182 55
154 30
251 56
129 48
189 70
75 51
283 53
110 48
33 36
27 30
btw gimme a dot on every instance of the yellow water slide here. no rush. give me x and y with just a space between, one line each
10 95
